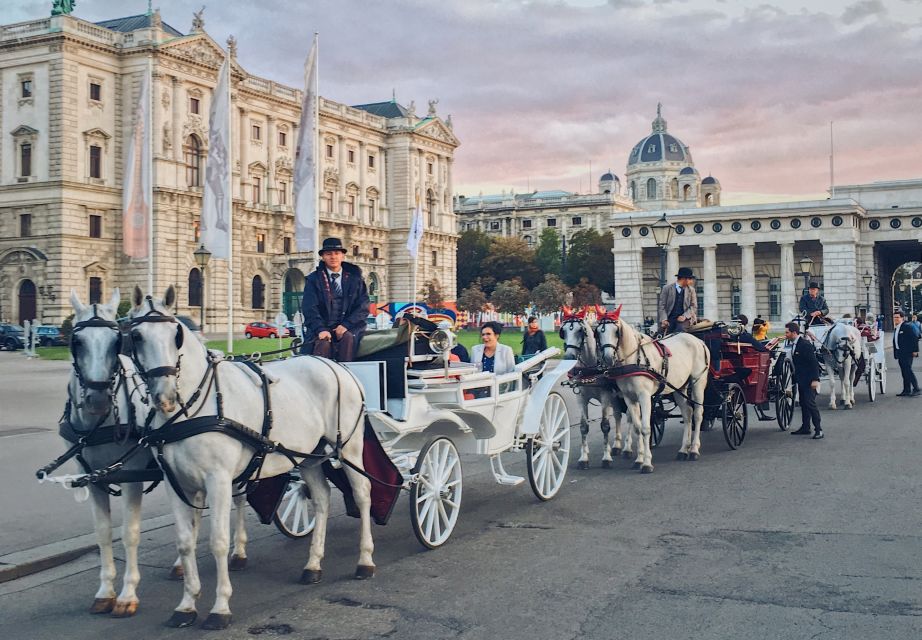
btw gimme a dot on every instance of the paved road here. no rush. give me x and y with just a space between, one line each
785 538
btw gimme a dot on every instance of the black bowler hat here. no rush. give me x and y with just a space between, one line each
685 272
814 285
332 244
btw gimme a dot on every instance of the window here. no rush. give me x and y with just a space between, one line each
552 222
283 193
526 224
260 243
95 226
435 258
258 293
283 139
193 162
26 88
576 221
735 299
195 288
194 105
257 190
708 200
286 244
256 132
95 290
375 253
372 204
686 192
651 189
633 190
651 148
196 231
528 240
95 91
25 160
95 161
350 206
350 156
329 151
430 207
429 168
355 250
25 225
329 202
494 225
774 299
371 162
673 147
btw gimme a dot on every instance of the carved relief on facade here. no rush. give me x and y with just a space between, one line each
167 136
194 124
165 98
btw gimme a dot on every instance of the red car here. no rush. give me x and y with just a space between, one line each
261 330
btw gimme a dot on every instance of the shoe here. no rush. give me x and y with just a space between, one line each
803 431
904 394
818 435
915 393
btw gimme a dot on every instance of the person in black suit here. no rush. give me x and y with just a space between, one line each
335 305
905 348
807 376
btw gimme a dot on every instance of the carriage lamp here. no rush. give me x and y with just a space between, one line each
202 256
662 235
806 264
441 341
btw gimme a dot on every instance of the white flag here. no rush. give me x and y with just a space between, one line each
216 202
136 180
416 231
305 187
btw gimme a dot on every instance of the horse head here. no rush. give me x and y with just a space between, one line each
94 345
577 336
609 333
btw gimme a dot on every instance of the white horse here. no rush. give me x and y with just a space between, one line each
580 344
686 376
841 347
313 400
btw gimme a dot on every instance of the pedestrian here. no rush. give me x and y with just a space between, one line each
916 325
807 376
534 340
678 303
490 354
880 322
905 348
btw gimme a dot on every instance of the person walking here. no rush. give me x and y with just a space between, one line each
534 340
807 376
905 348
678 303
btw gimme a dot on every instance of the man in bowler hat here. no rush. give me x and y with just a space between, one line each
807 377
678 303
335 305
813 306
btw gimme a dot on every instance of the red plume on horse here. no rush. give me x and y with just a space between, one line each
569 312
602 313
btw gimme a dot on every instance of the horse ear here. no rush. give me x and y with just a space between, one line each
614 315
75 301
567 311
169 298
600 311
114 299
581 313
137 296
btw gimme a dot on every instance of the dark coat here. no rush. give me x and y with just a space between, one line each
746 338
808 305
316 305
806 366
907 342
533 343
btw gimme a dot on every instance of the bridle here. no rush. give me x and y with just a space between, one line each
95 321
153 315
567 345
603 346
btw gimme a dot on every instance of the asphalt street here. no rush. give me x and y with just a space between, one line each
784 538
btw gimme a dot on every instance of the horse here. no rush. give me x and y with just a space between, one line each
314 402
840 350
640 369
580 344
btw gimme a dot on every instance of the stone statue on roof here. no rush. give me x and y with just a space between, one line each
448 122
62 7
411 109
232 47
432 104
198 20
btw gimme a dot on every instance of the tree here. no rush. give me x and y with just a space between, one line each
547 254
512 258
589 256
473 248
550 295
472 299
586 293
432 294
510 296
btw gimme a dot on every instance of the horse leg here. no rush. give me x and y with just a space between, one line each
833 383
644 450
320 499
634 413
127 603
186 521
220 489
361 490
606 437
687 425
102 522
239 557
618 444
583 462
697 388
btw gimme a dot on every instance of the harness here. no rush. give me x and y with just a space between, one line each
845 347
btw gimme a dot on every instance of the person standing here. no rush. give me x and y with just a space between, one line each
905 348
813 306
678 303
807 376
534 340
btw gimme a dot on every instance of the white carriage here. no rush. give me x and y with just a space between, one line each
427 412
871 348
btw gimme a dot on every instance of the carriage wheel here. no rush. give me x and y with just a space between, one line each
295 514
547 454
882 377
873 384
435 496
785 393
658 415
735 416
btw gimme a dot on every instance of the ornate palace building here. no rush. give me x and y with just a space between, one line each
68 89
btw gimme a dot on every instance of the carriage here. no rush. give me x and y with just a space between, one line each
871 349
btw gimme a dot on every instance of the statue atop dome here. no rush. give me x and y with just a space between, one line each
659 125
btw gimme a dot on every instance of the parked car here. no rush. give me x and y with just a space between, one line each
292 329
47 335
12 337
261 330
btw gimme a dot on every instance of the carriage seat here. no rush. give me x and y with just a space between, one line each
380 340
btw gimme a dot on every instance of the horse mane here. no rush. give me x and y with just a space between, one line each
590 347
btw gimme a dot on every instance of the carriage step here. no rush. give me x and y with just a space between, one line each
500 474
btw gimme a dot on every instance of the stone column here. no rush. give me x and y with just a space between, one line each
840 277
176 102
711 311
383 191
748 281
788 290
672 262
629 281
341 166
244 134
361 207
271 134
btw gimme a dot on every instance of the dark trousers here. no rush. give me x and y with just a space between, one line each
341 350
909 378
675 326
808 408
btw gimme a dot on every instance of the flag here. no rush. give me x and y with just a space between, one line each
216 201
305 187
416 230
136 180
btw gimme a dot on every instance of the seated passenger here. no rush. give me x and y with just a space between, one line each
490 354
744 335
760 329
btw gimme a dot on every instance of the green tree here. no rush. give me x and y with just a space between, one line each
586 293
512 258
473 248
472 299
547 254
550 295
510 296
589 256
432 294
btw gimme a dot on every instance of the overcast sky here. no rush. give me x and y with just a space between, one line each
539 89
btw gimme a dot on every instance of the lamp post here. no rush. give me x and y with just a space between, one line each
806 265
202 256
867 278
662 236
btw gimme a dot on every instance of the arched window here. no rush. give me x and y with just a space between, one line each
193 161
430 207
633 193
686 192
708 200
651 189
195 288
675 189
258 290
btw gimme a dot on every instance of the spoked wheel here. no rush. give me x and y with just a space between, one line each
435 497
873 384
881 377
784 402
295 514
547 454
658 415
735 416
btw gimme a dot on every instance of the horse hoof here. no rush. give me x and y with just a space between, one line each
582 464
102 605
217 621
237 563
177 572
364 572
647 468
616 451
311 576
181 619
681 455
627 453
693 456
125 609
606 464
847 407
636 465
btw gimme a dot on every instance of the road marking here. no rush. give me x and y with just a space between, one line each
23 431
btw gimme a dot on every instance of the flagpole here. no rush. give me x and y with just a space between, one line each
230 220
317 142
150 173
416 212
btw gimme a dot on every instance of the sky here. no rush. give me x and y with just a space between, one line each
539 90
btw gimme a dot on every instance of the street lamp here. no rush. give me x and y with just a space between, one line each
662 236
867 278
202 256
806 264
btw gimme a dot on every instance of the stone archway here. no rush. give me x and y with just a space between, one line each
27 301
890 256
